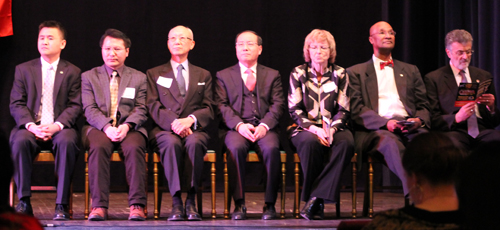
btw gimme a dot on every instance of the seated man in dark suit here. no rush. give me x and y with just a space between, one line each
250 99
114 102
388 102
45 101
180 103
474 123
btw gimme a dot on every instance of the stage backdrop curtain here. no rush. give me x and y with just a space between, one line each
420 26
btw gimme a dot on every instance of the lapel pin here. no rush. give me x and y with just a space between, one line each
61 72
477 80
401 75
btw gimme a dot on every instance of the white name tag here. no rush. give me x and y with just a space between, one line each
129 93
165 82
201 83
329 87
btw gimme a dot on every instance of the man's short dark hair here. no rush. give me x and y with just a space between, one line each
259 39
53 24
114 33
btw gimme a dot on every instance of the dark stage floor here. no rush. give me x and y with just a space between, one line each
43 205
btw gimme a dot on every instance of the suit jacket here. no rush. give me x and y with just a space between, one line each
269 92
26 94
165 103
303 104
364 94
96 98
442 92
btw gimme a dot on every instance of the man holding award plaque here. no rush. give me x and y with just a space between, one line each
462 97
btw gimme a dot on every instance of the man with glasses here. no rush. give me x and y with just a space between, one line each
474 123
388 102
250 99
114 102
180 103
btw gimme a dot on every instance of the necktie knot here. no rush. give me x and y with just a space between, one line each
462 74
114 74
389 63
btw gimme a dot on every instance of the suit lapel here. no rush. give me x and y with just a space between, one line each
238 84
59 77
194 78
104 81
124 80
474 76
37 72
371 85
401 84
450 80
260 85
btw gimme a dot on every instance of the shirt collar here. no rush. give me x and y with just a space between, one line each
184 64
46 65
244 68
376 61
456 71
109 71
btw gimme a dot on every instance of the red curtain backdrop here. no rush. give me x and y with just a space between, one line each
6 18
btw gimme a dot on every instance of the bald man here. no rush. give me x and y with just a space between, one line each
180 103
389 105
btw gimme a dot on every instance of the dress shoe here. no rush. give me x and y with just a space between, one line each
177 213
61 212
269 212
320 214
136 213
24 207
191 212
310 209
240 212
98 214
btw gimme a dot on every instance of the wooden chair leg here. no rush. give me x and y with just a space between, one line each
296 203
146 185
212 170
86 211
354 185
157 196
227 201
283 184
370 187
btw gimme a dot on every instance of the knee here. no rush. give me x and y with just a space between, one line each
66 137
168 140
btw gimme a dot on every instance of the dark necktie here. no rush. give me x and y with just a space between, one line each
180 81
472 127
389 63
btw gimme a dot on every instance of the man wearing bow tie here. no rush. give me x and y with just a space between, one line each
180 103
475 122
388 102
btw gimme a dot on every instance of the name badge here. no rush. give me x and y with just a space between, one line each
129 93
329 87
165 82
201 83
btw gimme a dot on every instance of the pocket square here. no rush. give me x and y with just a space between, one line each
201 83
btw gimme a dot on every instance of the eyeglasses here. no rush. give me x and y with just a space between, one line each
181 39
322 48
249 44
462 52
383 32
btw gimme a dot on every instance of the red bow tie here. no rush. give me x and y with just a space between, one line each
387 63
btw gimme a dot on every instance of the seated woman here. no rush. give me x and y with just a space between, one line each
431 164
319 107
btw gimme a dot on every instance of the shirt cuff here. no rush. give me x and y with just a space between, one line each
28 124
263 124
60 124
195 121
236 127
